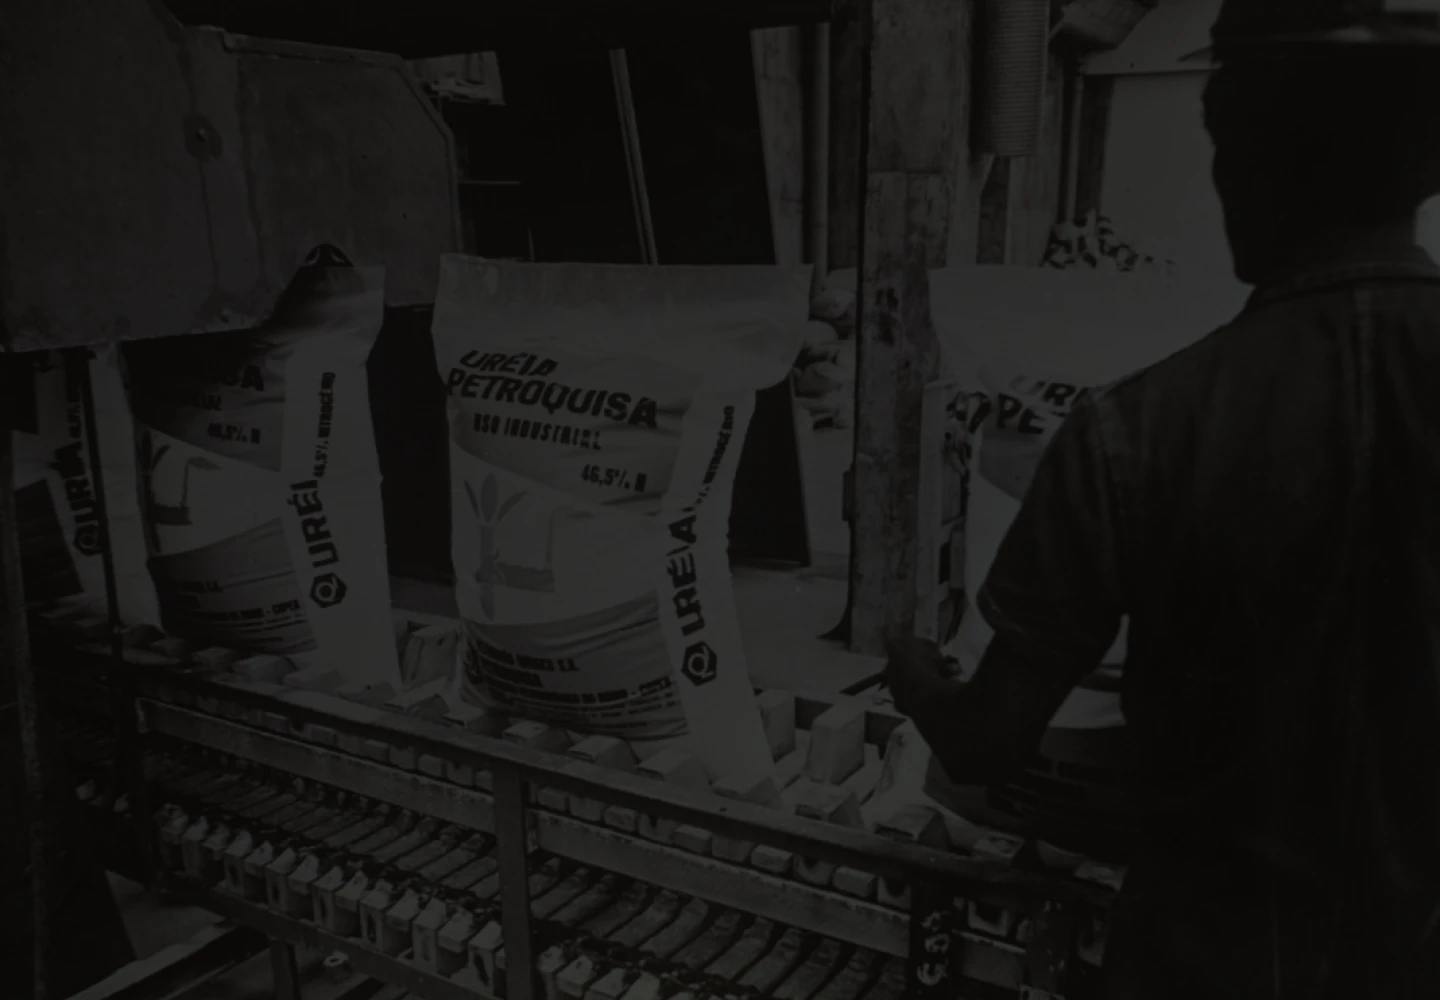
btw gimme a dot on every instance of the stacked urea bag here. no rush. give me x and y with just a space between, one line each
260 482
62 534
597 415
1025 343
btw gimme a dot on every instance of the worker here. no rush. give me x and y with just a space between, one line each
1265 508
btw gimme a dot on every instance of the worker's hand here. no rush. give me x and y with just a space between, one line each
916 671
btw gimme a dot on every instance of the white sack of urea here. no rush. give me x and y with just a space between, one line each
62 538
597 416
1032 340
260 482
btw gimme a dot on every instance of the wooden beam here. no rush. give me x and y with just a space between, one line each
428 28
847 127
921 208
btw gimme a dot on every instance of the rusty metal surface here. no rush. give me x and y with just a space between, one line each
157 180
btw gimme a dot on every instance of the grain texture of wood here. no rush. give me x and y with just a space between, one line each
848 33
921 204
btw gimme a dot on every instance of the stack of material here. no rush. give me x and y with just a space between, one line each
825 371
1091 244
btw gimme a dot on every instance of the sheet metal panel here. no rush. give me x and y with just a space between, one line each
157 180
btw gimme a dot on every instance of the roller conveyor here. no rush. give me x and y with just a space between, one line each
448 851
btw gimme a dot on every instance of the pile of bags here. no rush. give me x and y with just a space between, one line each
597 418
62 530
825 371
1091 243
592 465
242 482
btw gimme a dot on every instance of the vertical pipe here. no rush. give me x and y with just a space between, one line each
15 651
512 850
634 158
817 183
1014 64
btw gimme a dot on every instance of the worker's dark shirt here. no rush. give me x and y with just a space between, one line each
1214 499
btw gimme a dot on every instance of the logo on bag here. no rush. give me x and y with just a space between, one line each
491 513
701 665
327 590
80 500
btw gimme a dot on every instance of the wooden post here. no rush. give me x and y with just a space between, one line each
847 127
19 701
920 211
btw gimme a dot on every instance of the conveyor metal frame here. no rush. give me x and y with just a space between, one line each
305 733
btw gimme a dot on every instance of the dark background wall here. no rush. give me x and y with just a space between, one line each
704 161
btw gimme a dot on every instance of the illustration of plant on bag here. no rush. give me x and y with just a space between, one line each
176 515
491 513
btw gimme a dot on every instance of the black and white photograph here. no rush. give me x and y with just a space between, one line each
720 500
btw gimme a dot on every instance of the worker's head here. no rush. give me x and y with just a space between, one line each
1315 140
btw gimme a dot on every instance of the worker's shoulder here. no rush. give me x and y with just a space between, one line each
1248 343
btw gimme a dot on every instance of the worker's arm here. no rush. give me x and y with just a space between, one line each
1053 599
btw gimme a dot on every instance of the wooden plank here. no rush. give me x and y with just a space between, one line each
848 33
918 185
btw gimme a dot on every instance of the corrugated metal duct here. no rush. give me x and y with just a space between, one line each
1014 53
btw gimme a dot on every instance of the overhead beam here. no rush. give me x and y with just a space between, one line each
427 28
921 205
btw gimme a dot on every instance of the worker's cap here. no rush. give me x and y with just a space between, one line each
1250 25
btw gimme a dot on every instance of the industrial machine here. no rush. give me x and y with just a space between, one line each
461 855
162 179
